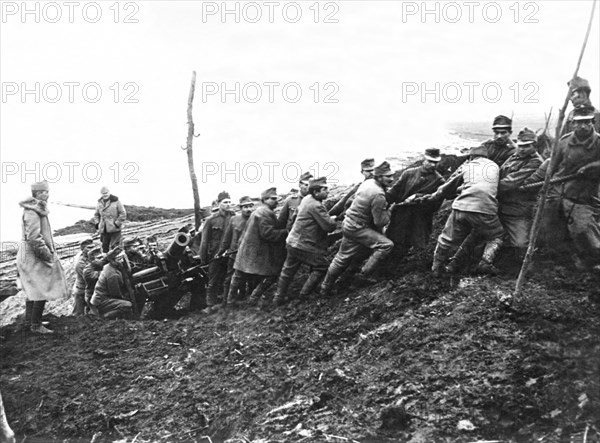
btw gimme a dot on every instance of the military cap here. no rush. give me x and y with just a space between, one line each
480 151
502 122
433 154
85 242
367 164
271 192
245 200
526 137
317 183
104 189
40 186
584 112
383 169
577 83
96 250
222 196
306 176
130 241
151 238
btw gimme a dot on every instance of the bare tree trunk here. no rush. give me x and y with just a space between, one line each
535 229
190 153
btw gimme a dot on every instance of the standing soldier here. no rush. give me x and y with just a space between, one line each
500 147
515 208
289 210
231 241
574 205
365 219
411 222
81 262
212 234
39 267
580 96
475 209
261 252
307 242
109 218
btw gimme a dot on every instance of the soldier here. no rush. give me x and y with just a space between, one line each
111 295
362 226
136 260
212 234
500 147
574 205
411 222
580 96
231 240
475 209
38 265
109 218
261 251
289 210
79 286
516 207
307 242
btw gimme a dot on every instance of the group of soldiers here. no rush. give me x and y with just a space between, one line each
494 191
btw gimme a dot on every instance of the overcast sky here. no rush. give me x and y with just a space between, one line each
361 68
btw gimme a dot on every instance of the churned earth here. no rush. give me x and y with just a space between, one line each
409 359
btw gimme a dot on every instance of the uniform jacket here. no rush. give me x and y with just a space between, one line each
111 284
289 211
233 233
110 214
262 247
39 267
80 264
573 154
498 154
477 181
91 273
309 232
212 235
412 224
513 173
369 207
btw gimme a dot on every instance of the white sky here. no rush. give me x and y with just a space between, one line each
372 54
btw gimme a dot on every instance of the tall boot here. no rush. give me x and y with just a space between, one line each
26 322
36 318
329 281
440 256
486 265
259 291
311 283
462 254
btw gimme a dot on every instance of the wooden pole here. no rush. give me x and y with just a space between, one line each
551 167
190 154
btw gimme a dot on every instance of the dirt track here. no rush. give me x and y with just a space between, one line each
409 359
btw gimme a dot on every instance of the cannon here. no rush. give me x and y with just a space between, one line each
170 275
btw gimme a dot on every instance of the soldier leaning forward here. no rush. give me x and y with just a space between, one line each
231 241
307 242
212 235
262 249
365 219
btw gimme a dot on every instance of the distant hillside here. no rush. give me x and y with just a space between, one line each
134 214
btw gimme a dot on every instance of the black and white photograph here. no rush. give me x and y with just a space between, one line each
300 221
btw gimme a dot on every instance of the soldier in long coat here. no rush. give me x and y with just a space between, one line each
289 210
262 249
40 271
411 223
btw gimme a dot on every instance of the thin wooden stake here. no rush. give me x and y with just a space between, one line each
535 229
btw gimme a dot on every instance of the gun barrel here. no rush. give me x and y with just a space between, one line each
176 248
145 272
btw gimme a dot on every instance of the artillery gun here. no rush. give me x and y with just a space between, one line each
172 274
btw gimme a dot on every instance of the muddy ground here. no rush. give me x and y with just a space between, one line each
410 359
